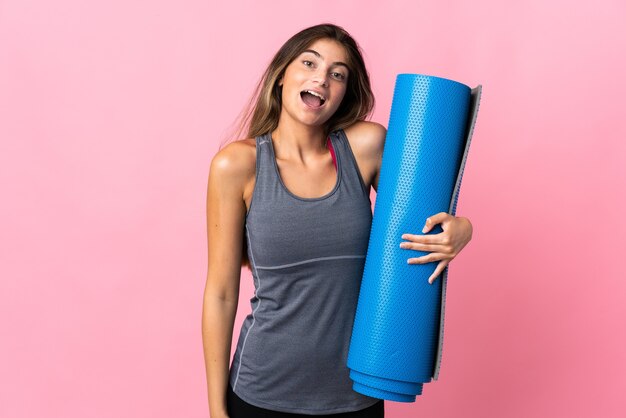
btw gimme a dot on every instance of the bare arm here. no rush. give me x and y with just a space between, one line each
367 140
378 133
225 222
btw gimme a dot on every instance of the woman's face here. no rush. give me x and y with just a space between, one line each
322 69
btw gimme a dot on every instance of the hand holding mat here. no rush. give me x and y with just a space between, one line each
398 324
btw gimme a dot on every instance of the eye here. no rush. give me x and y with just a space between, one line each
339 76
305 63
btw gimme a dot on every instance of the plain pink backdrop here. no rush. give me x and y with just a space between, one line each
110 113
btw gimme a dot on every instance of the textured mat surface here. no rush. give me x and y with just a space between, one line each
397 334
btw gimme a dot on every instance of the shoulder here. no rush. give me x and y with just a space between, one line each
367 141
235 164
367 138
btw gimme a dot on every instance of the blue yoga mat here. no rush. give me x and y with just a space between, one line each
398 328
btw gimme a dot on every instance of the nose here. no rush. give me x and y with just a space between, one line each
321 77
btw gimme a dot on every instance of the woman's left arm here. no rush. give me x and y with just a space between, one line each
457 232
368 142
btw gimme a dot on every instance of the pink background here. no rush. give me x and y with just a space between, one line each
110 113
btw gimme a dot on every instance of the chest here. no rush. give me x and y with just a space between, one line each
284 231
310 183
317 180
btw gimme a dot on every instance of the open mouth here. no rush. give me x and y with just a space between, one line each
312 99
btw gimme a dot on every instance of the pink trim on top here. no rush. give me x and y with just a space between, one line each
332 151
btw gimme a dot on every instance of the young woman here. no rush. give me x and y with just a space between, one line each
292 202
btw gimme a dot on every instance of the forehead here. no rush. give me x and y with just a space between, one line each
328 50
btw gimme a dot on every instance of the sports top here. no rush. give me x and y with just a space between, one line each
307 257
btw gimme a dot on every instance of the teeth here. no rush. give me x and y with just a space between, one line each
316 94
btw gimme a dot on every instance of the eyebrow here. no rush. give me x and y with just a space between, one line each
319 56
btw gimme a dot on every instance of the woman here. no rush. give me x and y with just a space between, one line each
292 203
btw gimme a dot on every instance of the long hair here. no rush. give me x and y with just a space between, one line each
262 113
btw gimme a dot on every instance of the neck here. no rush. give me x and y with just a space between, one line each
298 141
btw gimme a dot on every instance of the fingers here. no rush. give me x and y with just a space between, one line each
434 220
429 258
442 265
438 245
438 251
442 247
439 238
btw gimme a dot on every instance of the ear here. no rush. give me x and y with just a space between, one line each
280 81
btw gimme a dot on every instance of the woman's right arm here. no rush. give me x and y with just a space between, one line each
226 209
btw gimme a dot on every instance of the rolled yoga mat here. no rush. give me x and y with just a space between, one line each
397 334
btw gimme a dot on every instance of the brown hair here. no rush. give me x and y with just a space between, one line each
262 113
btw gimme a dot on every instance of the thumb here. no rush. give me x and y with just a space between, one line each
431 221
